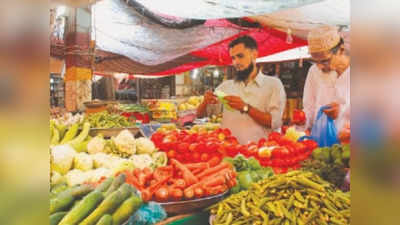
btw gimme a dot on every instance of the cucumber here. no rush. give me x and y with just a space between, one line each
118 181
126 190
56 217
105 220
83 209
81 190
108 206
61 202
128 207
105 185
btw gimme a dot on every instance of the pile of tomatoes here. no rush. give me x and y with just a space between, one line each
276 151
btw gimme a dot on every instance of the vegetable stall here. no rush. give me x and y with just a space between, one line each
152 161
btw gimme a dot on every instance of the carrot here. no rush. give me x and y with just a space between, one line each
220 180
197 166
180 183
198 192
187 175
136 172
216 190
213 170
160 172
189 193
147 193
225 172
176 194
214 161
162 194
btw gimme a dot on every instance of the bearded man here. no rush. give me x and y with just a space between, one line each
258 101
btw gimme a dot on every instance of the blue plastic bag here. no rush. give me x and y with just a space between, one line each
148 214
324 131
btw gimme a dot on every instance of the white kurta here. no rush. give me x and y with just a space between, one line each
264 93
324 88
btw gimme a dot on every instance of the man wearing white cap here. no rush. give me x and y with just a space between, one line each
328 80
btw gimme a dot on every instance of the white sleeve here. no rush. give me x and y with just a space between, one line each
309 98
276 105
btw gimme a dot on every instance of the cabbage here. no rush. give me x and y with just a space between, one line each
97 174
96 145
123 165
83 161
142 161
125 142
144 146
75 177
160 159
61 158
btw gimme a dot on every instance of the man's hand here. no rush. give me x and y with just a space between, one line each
333 111
235 102
209 98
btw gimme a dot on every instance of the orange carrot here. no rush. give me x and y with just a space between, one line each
216 190
176 194
219 180
195 166
188 193
198 192
213 170
214 161
147 193
186 174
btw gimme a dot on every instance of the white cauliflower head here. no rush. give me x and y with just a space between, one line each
142 161
83 161
75 177
96 145
61 158
144 146
125 142
97 174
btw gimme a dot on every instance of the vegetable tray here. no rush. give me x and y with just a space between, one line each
189 206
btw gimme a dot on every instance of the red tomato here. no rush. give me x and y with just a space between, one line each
211 147
192 147
188 157
204 157
299 117
227 132
284 128
183 147
196 157
274 136
232 140
171 154
310 144
261 142
201 147
299 147
232 150
222 150
285 141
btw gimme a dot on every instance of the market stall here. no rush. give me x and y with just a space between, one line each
153 161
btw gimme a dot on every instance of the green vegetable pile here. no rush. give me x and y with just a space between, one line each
330 163
249 171
134 108
107 120
297 197
110 203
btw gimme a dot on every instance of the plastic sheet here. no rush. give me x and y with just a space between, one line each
119 29
148 214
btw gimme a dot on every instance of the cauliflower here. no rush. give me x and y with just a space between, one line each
83 161
97 174
144 146
102 160
142 161
125 142
96 145
61 158
56 178
75 177
123 165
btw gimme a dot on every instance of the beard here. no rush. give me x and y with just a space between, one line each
242 75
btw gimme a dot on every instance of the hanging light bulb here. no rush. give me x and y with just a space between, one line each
289 38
